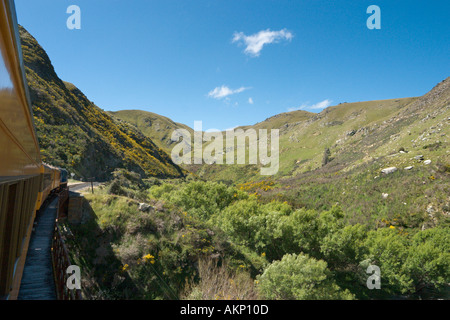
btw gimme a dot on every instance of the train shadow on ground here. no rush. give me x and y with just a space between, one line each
90 247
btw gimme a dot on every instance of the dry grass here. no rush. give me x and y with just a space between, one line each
219 283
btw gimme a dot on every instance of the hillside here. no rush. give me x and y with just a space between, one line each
75 134
355 133
304 136
362 138
156 127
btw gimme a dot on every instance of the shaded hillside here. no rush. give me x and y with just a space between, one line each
76 134
156 127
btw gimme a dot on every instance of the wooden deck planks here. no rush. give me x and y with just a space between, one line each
37 279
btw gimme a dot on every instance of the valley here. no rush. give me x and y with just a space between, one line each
157 230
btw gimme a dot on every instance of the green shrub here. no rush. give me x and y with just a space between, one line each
428 261
299 277
344 246
158 191
388 250
202 199
242 221
115 188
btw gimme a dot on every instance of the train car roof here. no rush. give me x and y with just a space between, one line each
50 166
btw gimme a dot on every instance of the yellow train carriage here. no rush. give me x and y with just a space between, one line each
50 182
20 161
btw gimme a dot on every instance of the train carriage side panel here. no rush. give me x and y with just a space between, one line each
56 178
20 161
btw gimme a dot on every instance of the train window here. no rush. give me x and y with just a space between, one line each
3 215
47 179
7 252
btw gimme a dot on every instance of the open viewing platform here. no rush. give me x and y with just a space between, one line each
38 280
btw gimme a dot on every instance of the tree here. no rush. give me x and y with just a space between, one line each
326 156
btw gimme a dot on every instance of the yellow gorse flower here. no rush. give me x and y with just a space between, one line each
149 257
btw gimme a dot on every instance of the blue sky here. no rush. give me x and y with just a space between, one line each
238 62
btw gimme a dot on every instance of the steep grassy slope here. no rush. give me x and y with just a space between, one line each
364 138
282 120
76 134
304 136
156 127
355 133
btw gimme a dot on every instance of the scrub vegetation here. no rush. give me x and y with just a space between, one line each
207 240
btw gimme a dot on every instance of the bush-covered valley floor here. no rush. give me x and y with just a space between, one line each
308 239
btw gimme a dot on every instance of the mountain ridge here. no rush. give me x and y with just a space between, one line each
301 132
76 134
304 135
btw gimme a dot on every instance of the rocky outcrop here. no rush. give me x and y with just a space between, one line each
388 170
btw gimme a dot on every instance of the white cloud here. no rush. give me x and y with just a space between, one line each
320 105
255 42
250 100
224 91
